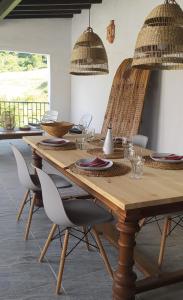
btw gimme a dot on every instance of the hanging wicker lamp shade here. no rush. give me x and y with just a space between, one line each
89 56
160 42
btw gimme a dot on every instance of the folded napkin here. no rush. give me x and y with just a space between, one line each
171 157
97 162
174 157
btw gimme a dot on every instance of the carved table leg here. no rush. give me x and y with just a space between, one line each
36 160
37 163
125 277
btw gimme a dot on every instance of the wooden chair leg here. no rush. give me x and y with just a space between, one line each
62 261
169 226
30 217
86 238
22 205
102 252
48 241
142 222
165 232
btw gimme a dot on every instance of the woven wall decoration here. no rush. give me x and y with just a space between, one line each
111 32
160 42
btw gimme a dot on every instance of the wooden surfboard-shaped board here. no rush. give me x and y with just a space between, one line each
126 100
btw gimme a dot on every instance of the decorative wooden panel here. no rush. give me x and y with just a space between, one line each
126 100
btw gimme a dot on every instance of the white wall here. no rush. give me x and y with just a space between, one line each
44 36
162 119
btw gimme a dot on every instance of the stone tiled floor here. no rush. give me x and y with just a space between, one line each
23 278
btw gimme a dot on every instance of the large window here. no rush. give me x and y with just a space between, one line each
23 85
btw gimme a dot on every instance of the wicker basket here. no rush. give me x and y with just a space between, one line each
57 129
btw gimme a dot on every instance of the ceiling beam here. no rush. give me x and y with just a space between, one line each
35 16
51 7
48 12
6 6
57 2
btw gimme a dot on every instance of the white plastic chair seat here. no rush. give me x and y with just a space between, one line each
59 181
140 140
86 212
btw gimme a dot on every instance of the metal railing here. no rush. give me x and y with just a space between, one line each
24 112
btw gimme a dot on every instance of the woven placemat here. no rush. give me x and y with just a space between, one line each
99 143
68 146
118 153
117 169
149 162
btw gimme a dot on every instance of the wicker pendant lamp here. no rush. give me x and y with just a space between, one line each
160 42
89 56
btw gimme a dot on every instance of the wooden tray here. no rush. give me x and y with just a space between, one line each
149 162
117 154
117 169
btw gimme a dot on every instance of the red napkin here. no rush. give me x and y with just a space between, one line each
174 157
170 157
97 162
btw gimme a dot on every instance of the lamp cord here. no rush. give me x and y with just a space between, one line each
170 2
89 18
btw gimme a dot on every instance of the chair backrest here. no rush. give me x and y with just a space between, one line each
52 201
85 120
50 115
23 172
140 140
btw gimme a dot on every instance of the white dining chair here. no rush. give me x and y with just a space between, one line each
84 123
70 215
85 120
49 116
140 140
32 185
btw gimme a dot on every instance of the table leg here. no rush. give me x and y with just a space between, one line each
36 160
125 277
37 163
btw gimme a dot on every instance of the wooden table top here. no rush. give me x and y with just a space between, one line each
17 133
157 186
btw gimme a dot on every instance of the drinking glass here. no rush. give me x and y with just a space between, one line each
91 134
81 143
137 163
128 151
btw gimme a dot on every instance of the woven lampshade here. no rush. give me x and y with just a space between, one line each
89 56
160 42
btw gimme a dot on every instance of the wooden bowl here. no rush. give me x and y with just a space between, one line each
58 129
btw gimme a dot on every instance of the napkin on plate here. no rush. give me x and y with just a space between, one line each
170 157
97 162
174 157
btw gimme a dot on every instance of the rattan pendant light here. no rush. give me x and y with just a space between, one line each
160 42
89 56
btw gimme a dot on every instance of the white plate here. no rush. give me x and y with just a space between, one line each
160 157
50 142
88 160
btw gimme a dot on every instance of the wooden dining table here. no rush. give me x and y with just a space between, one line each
158 192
